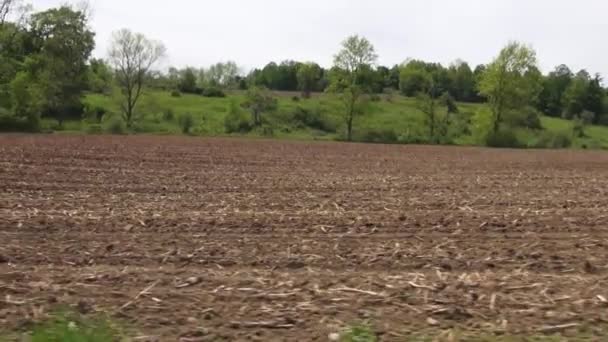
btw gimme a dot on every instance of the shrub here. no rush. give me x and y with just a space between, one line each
504 138
168 115
12 123
359 333
382 136
528 117
375 98
176 93
237 121
186 122
553 140
94 114
115 125
266 130
93 129
213 92
73 327
312 118
295 99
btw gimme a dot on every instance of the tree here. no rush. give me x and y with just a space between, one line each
99 76
462 81
259 101
510 82
5 8
551 98
187 82
222 74
58 67
133 55
308 76
356 54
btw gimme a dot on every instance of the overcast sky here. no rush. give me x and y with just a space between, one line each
254 32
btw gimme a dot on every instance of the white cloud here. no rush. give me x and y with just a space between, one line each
254 32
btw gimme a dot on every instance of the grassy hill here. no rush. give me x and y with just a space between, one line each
392 118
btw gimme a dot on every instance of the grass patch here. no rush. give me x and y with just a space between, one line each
397 120
71 327
359 333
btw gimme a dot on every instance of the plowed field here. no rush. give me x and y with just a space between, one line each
226 239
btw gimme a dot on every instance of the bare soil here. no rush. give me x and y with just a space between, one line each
191 239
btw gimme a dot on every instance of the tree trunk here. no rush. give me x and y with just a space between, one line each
349 129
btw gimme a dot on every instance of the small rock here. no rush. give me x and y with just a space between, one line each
84 307
334 337
432 322
589 268
72 326
3 259
191 320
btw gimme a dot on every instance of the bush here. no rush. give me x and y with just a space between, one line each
11 123
186 122
168 115
382 136
375 98
504 138
236 120
176 93
213 92
266 130
71 327
528 117
93 129
115 125
553 140
94 114
295 99
312 118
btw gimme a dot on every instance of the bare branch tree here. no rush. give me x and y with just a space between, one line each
5 9
133 55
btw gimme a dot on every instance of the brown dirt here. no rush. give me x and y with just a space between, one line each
267 240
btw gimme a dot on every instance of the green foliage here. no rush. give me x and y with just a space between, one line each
308 75
115 125
237 121
527 117
510 82
379 136
93 129
213 92
359 333
94 113
12 123
176 93
57 69
99 77
71 328
312 118
187 83
186 122
168 115
25 96
503 138
259 101
553 140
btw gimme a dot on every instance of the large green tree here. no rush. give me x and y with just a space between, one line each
57 68
308 76
356 57
511 82
551 98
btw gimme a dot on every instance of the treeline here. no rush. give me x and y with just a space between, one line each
47 68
